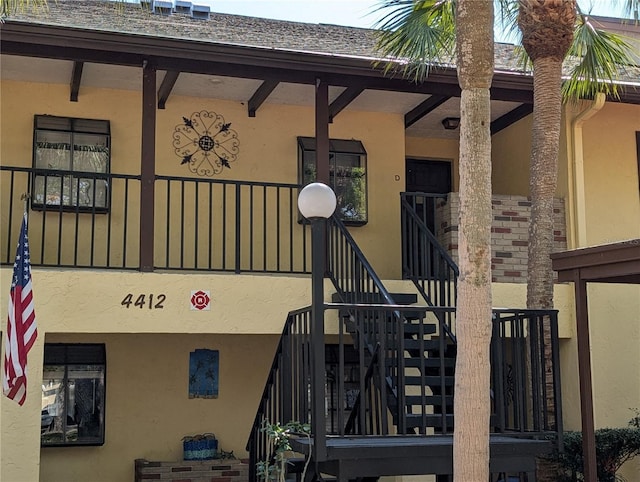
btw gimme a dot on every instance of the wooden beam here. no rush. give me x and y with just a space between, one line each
510 117
322 131
600 264
147 166
345 98
76 79
166 87
418 112
260 95
584 374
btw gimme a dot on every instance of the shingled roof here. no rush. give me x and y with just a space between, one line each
225 29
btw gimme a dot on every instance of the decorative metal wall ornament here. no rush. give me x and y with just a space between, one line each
206 143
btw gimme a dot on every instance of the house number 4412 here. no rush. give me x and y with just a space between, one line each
141 301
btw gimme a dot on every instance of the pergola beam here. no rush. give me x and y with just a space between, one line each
260 95
418 112
76 80
511 117
166 87
345 98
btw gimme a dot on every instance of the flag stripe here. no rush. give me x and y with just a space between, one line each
21 323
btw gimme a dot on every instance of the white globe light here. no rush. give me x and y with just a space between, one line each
317 200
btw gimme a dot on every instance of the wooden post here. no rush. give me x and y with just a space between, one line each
322 131
147 166
584 373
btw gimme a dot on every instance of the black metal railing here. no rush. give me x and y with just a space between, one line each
62 231
356 282
287 393
408 356
349 270
222 225
200 224
424 260
526 372
525 381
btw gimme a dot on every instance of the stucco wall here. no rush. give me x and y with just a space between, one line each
612 213
147 406
268 149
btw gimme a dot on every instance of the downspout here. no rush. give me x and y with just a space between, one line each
577 209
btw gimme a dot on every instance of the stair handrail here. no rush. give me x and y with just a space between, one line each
335 225
335 221
285 407
432 237
423 230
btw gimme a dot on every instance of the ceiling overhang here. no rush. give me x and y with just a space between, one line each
268 68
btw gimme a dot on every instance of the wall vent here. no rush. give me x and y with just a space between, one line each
163 7
182 6
201 12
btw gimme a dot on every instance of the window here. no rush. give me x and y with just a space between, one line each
73 393
71 162
347 175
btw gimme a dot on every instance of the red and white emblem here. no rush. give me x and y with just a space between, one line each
200 300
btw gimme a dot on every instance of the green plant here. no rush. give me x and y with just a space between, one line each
279 437
614 447
353 202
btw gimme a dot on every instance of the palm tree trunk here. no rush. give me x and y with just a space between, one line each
543 176
473 317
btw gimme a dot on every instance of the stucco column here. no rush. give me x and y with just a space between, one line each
20 426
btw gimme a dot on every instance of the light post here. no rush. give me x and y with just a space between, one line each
317 202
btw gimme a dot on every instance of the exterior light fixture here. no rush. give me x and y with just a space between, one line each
317 200
451 123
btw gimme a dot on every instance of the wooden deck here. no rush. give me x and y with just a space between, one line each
351 457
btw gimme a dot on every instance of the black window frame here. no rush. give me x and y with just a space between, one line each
337 148
638 156
73 126
72 355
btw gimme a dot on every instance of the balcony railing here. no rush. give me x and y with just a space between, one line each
525 379
72 236
199 224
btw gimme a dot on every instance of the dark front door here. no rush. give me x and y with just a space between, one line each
425 180
430 177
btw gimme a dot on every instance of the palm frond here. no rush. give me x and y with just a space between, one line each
602 57
416 34
507 19
631 9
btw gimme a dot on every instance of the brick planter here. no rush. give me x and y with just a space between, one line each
226 470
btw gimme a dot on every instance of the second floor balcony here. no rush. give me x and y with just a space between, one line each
93 220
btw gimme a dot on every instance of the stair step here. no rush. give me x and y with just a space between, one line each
415 420
410 329
435 421
375 298
429 400
428 380
426 345
414 328
429 362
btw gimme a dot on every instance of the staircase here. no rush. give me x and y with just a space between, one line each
402 419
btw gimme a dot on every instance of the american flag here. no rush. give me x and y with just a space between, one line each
21 323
